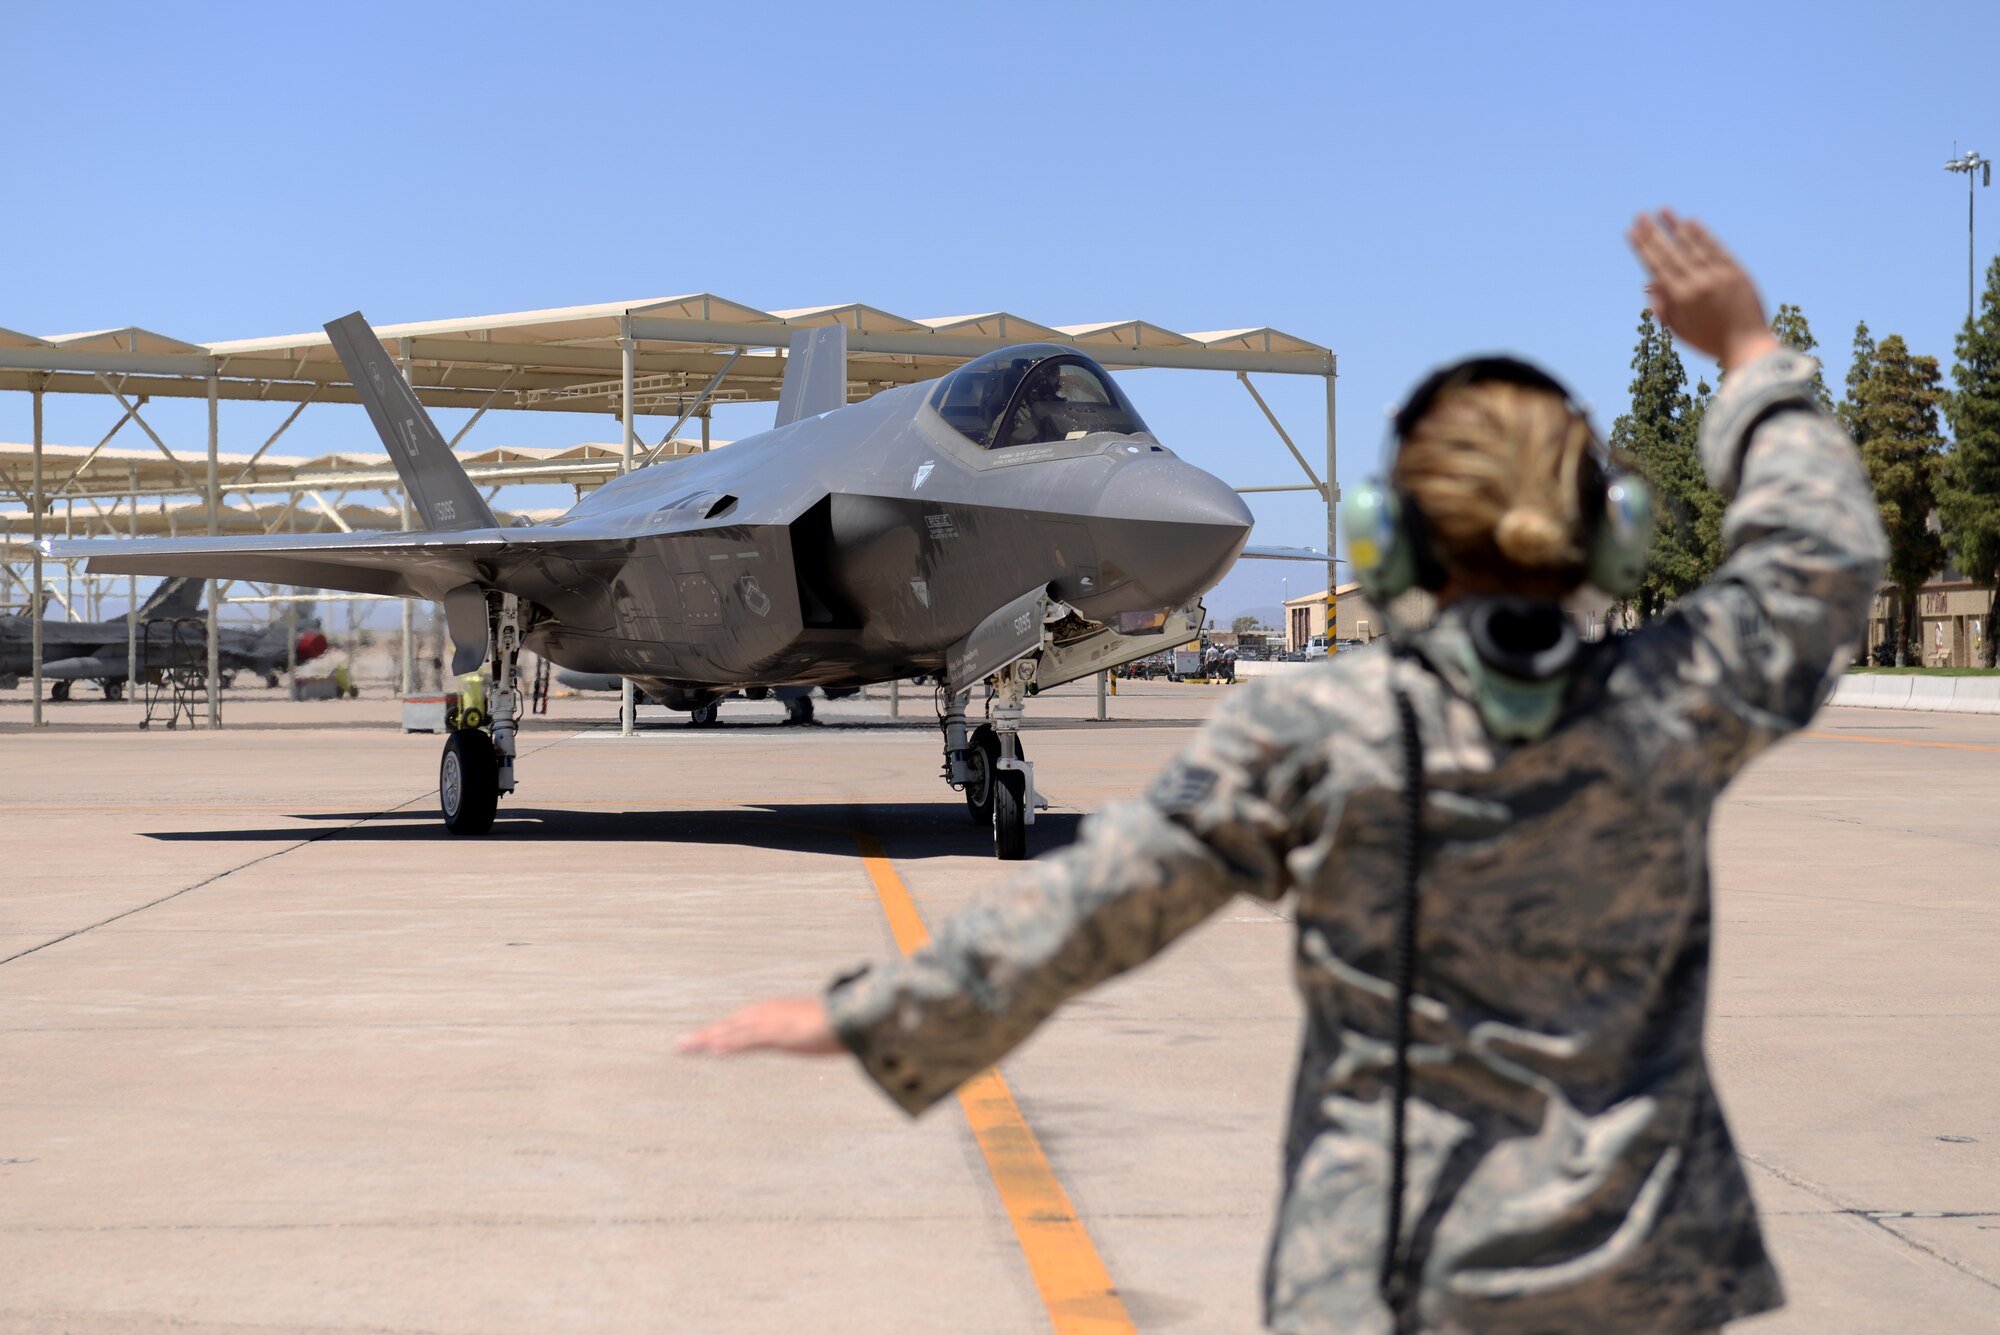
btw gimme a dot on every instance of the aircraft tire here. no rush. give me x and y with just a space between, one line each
982 753
228 680
59 691
270 681
799 711
706 716
1010 825
469 782
114 691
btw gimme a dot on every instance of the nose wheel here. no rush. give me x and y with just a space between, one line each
989 766
1010 815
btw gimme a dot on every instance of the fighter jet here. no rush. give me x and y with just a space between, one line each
74 651
1005 528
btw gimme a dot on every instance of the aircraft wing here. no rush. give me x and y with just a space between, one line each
1284 554
400 565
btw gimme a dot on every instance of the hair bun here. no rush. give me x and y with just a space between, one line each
1531 538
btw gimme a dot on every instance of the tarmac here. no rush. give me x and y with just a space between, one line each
278 1054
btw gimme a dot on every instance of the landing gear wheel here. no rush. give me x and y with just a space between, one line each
270 681
228 680
799 711
59 691
114 691
705 716
469 782
982 757
1010 825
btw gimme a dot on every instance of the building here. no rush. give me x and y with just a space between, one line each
1953 621
1355 618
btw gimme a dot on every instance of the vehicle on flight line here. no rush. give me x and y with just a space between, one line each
1011 525
95 651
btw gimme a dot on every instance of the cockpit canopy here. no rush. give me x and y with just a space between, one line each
1032 395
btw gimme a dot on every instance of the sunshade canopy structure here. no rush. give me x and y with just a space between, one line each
671 355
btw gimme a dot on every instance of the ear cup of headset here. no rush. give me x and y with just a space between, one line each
1371 515
1624 536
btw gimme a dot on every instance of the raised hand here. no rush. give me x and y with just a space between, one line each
797 1025
1699 291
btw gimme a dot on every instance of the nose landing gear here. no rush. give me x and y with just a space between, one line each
990 767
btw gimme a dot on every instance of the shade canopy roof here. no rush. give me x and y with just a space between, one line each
569 359
113 472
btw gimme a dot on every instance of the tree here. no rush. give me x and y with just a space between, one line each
1969 491
1246 622
1789 324
1859 367
1657 438
1892 410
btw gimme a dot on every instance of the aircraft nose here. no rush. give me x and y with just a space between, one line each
1171 526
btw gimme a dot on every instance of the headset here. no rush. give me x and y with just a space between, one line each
1390 544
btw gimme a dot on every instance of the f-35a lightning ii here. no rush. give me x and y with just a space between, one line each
1012 525
74 651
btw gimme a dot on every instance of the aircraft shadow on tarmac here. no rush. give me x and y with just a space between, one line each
907 830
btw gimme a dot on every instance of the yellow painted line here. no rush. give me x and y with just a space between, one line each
1897 741
1075 1287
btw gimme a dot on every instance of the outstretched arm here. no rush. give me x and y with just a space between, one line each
1756 649
1142 873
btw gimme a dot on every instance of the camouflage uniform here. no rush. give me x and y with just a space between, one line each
1569 1166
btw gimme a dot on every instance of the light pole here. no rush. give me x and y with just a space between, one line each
1970 164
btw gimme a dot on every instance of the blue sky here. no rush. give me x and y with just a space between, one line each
1400 183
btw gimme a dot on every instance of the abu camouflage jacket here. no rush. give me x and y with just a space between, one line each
1569 1166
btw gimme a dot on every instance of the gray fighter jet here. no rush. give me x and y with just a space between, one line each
1008 527
95 651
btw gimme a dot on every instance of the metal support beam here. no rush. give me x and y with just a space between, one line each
628 705
1278 427
132 411
132 608
1332 506
480 411
35 598
214 527
330 512
714 383
283 427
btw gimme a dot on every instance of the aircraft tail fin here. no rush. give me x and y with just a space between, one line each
174 599
815 374
441 495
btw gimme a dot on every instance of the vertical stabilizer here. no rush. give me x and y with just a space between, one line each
815 374
175 598
442 497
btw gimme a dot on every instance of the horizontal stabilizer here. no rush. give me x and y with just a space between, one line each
442 497
1284 554
815 374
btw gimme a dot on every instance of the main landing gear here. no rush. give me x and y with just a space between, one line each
988 764
478 762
